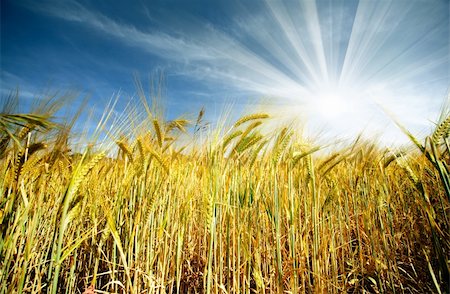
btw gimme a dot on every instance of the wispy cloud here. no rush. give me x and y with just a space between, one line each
209 54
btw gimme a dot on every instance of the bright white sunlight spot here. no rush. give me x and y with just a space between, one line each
332 103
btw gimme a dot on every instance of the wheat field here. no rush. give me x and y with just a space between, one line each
178 207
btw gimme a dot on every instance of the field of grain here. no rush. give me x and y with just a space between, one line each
177 207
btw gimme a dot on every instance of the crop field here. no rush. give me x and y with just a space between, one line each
180 207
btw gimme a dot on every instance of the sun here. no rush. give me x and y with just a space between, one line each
331 103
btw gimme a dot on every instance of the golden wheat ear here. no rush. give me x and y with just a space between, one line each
442 131
158 132
27 122
125 149
250 117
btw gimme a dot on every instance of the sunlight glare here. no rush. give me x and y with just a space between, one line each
331 103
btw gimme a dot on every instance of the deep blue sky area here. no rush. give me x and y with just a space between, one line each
331 62
43 51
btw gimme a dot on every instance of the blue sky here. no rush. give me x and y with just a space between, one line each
328 63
